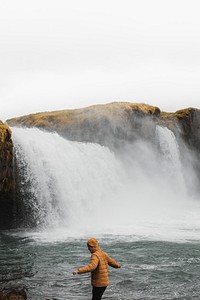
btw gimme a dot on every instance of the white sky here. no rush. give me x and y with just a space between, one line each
59 54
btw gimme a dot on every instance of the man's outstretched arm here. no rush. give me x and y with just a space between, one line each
94 261
113 263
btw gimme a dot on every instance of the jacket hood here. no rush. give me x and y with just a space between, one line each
93 242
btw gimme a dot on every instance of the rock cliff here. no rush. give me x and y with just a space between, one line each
107 125
7 184
113 123
187 123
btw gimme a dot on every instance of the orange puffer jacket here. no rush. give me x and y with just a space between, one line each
99 267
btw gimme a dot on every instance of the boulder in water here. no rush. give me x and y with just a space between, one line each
14 294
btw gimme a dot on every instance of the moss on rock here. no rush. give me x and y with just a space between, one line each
7 183
6 159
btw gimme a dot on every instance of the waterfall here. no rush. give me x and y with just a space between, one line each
171 162
85 187
67 180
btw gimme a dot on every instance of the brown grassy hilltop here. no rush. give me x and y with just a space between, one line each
119 120
60 118
106 124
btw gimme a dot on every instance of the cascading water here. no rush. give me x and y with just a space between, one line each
80 188
171 163
135 201
68 180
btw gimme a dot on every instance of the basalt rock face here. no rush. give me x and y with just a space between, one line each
7 184
186 124
109 125
112 124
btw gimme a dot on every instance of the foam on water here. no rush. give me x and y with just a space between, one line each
79 189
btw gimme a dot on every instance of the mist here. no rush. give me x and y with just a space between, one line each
76 189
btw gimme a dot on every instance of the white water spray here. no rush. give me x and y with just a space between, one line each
171 163
84 188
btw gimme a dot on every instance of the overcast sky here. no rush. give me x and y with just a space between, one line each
59 54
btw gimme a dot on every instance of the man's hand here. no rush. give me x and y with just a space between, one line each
75 272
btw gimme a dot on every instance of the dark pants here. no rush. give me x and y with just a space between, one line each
97 292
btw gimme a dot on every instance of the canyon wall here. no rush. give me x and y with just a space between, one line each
7 182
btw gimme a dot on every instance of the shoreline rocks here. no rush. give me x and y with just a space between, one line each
14 294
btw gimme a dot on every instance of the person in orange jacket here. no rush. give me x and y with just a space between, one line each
98 267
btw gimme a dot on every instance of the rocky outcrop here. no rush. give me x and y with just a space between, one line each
14 294
7 184
187 123
113 123
109 124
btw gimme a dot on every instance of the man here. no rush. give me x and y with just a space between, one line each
98 267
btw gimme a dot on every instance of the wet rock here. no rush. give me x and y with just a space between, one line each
7 183
14 294
186 123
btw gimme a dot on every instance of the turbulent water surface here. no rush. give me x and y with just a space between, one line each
141 203
150 269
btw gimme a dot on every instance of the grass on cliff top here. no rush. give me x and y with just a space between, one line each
179 114
114 110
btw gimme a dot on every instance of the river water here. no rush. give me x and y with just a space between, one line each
141 204
150 269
